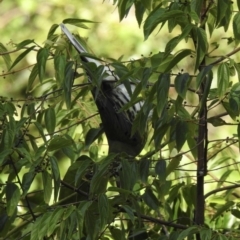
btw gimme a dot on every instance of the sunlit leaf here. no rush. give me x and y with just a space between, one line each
223 79
47 186
50 120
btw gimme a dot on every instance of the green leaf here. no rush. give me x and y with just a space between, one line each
83 163
42 57
236 213
5 55
174 163
222 7
27 181
47 186
196 6
92 135
50 120
40 130
20 57
67 85
78 22
100 178
202 75
175 41
238 4
12 198
59 65
238 132
206 233
189 231
4 154
139 11
129 212
144 169
32 77
226 207
160 16
236 27
24 43
104 210
223 79
56 217
128 174
56 176
202 46
181 84
177 58
150 199
58 142
160 170
162 89
52 30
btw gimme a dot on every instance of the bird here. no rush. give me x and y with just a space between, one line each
110 98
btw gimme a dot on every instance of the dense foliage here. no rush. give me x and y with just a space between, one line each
57 180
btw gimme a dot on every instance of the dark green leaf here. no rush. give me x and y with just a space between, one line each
128 174
226 207
222 6
160 170
150 199
175 41
83 164
67 85
216 121
42 57
177 58
56 176
52 30
181 131
104 210
236 27
139 11
223 79
196 6
56 217
162 89
21 56
24 43
27 181
158 16
181 84
144 169
78 22
3 155
59 65
47 186
206 233
12 198
238 4
202 75
129 211
32 77
50 120
174 163
150 22
236 213
188 232
202 46
40 130
92 135
58 142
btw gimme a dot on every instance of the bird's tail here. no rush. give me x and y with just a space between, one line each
78 46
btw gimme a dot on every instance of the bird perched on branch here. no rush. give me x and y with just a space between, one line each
110 98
